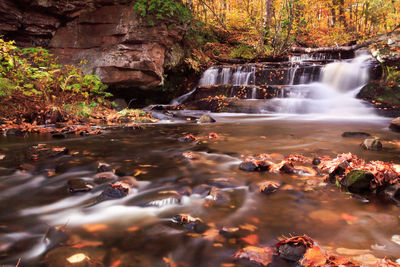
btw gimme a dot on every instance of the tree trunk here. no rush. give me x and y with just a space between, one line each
306 50
268 14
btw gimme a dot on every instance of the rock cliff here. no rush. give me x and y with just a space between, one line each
118 45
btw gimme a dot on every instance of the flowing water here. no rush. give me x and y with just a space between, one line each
138 230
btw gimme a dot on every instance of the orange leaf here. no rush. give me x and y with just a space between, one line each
348 217
251 239
258 255
95 227
313 257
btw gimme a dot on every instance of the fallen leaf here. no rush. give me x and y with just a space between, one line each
95 227
86 243
116 263
258 255
348 217
313 257
77 258
251 239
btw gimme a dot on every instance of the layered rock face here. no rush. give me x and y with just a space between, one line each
119 46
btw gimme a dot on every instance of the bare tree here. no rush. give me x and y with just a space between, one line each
268 14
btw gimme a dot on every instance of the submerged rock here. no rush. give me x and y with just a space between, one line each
79 185
395 125
316 161
355 134
265 187
114 191
292 252
255 165
190 223
372 144
218 196
288 168
104 167
392 193
104 177
357 181
206 119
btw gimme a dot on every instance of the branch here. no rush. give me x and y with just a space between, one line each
212 11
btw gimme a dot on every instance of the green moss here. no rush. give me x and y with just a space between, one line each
5 87
243 51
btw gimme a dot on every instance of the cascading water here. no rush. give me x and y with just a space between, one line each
334 95
306 84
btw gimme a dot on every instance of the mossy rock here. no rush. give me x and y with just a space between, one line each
205 119
372 144
357 181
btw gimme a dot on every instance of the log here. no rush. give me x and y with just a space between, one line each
335 49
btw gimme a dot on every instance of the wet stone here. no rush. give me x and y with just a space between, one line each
14 132
372 144
104 177
392 193
190 223
124 171
265 187
224 182
355 134
202 189
292 252
188 138
248 166
218 196
287 168
79 185
206 119
357 181
395 125
316 161
115 191
104 167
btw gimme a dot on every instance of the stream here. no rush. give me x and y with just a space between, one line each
43 223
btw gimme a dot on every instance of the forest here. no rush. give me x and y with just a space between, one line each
180 133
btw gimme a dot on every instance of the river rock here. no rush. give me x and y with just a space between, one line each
79 185
357 181
292 252
355 134
316 161
114 191
206 119
395 125
104 177
248 166
287 168
104 167
190 223
265 187
218 196
392 193
251 165
372 144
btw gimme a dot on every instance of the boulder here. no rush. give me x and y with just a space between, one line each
395 125
265 187
357 181
372 144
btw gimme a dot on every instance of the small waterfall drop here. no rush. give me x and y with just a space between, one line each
334 95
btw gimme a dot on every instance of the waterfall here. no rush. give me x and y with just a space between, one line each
334 95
